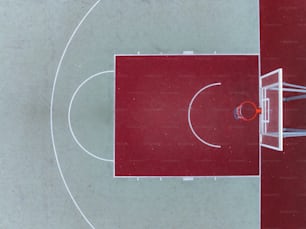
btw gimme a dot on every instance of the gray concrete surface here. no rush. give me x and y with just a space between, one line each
33 35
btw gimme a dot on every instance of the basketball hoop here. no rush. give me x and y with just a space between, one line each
246 111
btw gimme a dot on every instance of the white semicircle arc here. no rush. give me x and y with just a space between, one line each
189 118
69 116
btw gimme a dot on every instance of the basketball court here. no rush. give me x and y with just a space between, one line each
213 115
222 115
143 115
162 114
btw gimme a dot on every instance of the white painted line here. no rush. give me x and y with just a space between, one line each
195 177
114 118
69 116
188 178
197 54
189 119
260 127
188 53
51 115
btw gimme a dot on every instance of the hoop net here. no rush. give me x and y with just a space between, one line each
246 111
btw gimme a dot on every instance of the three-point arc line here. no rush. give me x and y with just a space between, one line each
51 115
189 118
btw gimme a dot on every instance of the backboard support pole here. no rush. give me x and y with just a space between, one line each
271 85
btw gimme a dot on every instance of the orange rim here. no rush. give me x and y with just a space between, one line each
239 115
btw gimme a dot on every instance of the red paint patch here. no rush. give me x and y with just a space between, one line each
152 135
283 32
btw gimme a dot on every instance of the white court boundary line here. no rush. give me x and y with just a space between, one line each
214 54
51 114
189 119
259 135
69 116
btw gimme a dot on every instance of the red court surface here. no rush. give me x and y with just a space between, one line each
283 44
152 134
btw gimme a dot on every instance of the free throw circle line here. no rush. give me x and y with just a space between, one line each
69 116
189 119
